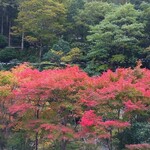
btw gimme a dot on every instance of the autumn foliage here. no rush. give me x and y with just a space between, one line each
68 105
138 147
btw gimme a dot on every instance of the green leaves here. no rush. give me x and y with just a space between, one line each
42 18
3 41
119 34
93 13
118 58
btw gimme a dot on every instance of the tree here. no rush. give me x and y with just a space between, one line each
116 41
73 31
64 106
3 41
7 83
8 14
46 105
93 13
43 20
116 101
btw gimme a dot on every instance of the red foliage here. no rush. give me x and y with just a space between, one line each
138 146
95 126
64 132
111 96
20 108
51 95
130 106
115 124
61 100
89 119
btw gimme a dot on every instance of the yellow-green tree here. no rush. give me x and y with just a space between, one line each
41 19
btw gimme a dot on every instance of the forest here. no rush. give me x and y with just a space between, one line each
74 74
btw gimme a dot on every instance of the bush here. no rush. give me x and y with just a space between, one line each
29 55
18 141
8 54
137 134
2 140
61 45
53 56
3 41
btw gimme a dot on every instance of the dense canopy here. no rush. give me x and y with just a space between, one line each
74 74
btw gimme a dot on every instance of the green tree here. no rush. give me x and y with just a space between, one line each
73 32
116 40
8 12
58 50
145 7
42 20
61 45
136 134
93 13
3 41
138 2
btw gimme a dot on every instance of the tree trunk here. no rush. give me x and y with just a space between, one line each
2 25
36 135
22 41
110 141
40 55
2 147
36 141
63 145
9 35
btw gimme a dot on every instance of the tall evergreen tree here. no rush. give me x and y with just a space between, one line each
116 40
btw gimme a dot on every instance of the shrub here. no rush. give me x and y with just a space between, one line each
8 54
3 41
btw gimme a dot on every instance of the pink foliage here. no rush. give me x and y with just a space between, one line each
89 118
130 106
115 123
75 95
144 146
20 108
